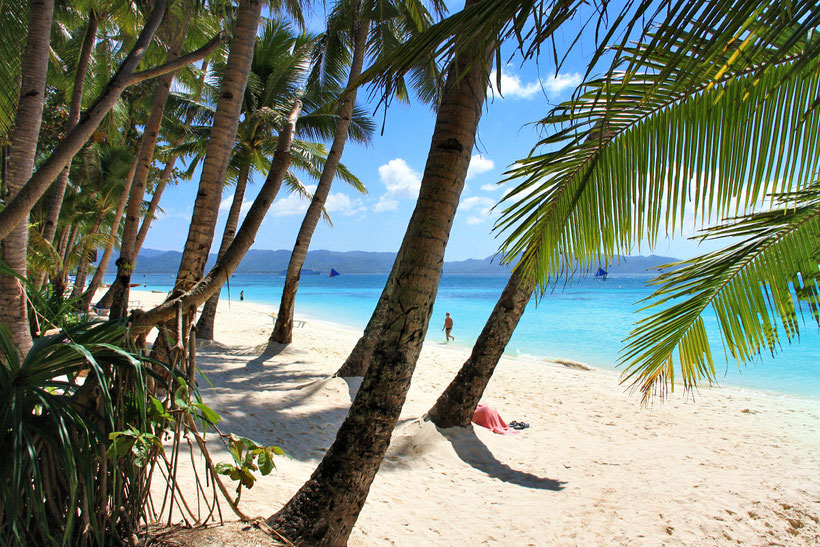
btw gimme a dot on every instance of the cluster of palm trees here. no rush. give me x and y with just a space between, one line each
705 108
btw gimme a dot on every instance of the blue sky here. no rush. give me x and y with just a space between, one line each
391 169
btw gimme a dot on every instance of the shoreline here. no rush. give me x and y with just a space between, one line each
464 351
594 467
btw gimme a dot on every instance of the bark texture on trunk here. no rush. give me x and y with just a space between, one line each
205 325
164 177
283 329
74 109
456 405
14 245
220 145
109 248
75 139
325 509
141 322
85 259
145 156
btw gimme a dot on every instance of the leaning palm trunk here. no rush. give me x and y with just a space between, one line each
14 245
456 405
143 322
205 325
325 509
85 258
283 329
220 145
125 264
165 176
75 139
109 248
75 106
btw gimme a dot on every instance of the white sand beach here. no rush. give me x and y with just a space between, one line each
594 468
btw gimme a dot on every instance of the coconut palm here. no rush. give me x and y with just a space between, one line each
710 132
369 25
176 28
13 313
280 66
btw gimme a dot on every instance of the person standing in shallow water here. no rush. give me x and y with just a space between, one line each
241 295
448 326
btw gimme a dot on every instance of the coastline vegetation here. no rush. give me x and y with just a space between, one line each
709 109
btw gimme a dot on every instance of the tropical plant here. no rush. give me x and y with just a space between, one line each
58 487
279 73
370 26
686 122
759 287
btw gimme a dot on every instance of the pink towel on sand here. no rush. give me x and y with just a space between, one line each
487 416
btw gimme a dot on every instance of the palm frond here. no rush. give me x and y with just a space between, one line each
633 152
758 288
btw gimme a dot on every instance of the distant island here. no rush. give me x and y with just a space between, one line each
359 262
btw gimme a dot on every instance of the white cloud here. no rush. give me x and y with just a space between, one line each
386 203
513 87
480 206
225 205
479 164
490 187
401 181
294 204
562 82
474 202
343 204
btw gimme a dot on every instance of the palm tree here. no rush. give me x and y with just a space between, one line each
177 29
111 167
89 37
279 70
626 168
360 25
457 404
13 314
75 139
220 144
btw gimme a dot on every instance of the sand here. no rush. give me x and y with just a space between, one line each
595 468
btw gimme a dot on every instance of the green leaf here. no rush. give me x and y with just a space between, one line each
208 413
266 464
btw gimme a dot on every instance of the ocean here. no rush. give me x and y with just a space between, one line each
584 321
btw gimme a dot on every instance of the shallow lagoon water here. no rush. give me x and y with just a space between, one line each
584 321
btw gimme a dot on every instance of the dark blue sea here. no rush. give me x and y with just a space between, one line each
584 321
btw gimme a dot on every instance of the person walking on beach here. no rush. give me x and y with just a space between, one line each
448 326
241 295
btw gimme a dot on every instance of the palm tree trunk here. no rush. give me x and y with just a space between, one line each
109 248
220 145
85 259
150 135
283 329
48 171
205 325
456 405
325 509
164 177
58 282
222 270
74 109
14 245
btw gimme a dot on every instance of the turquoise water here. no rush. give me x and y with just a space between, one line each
585 321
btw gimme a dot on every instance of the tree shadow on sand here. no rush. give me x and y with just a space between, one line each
475 453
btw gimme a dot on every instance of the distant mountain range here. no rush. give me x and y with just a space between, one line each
357 262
